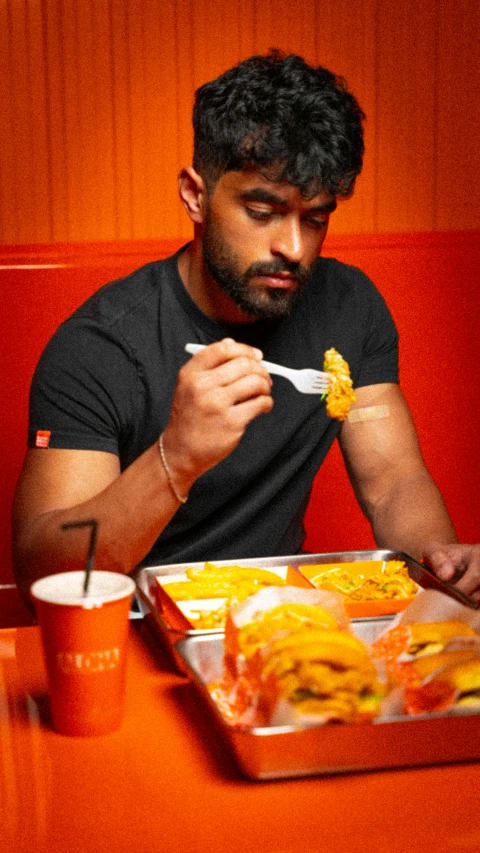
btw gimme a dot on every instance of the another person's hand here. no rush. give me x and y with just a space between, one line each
459 564
219 391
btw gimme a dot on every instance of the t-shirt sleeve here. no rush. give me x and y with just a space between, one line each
83 390
379 361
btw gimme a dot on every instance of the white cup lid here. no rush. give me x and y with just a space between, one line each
67 588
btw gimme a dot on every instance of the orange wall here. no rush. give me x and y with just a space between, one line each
95 103
95 106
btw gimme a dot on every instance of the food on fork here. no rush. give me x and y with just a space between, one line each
341 394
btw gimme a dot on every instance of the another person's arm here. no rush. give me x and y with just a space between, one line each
218 393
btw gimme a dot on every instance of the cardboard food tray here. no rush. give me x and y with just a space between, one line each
284 752
169 620
367 568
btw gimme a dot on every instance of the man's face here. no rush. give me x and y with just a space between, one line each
260 241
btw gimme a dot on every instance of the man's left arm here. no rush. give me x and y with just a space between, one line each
391 481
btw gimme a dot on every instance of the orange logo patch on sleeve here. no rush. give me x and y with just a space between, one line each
42 438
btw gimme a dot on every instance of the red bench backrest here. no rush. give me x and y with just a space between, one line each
431 284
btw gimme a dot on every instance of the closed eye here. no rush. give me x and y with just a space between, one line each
318 223
259 214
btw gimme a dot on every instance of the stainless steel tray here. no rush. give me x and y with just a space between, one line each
284 752
172 632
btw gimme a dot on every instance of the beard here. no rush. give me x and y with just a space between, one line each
264 303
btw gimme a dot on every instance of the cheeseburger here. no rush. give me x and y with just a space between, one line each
405 644
290 658
274 613
453 683
317 676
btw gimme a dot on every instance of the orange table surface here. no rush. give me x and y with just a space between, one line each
164 782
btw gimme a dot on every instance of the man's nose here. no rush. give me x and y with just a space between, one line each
288 241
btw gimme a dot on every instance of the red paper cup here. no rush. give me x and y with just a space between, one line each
85 645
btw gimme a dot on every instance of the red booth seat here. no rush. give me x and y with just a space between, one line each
431 284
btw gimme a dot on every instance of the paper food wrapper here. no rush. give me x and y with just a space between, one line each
252 608
430 606
433 606
243 687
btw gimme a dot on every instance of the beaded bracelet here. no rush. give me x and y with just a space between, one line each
179 498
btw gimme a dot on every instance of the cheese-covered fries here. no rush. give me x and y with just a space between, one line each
391 581
231 582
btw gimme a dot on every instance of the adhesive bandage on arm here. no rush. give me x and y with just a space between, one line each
369 413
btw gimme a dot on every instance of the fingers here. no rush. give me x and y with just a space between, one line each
457 564
219 392
230 384
469 572
226 362
226 374
441 561
223 351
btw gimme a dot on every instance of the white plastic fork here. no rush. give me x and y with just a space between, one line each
307 380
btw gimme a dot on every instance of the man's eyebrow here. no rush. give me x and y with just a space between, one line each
329 207
262 195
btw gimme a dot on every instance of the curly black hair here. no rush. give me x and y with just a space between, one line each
291 121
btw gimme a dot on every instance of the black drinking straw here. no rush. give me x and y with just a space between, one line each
91 522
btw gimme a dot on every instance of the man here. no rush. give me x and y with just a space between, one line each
206 458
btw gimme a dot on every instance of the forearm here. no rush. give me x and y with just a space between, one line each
131 512
218 393
390 478
411 516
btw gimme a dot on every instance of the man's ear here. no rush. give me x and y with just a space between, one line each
193 194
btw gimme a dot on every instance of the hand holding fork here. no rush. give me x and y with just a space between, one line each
307 380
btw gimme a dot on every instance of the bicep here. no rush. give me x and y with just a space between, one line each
380 447
54 479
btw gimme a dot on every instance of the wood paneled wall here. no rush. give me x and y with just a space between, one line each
96 97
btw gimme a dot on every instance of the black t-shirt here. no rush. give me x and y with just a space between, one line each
106 380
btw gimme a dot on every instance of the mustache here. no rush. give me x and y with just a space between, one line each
301 273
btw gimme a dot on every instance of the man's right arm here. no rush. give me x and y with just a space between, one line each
218 392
